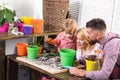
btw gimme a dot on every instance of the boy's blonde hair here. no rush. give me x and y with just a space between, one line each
69 25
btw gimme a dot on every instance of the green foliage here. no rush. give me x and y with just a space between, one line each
31 45
35 42
34 38
6 15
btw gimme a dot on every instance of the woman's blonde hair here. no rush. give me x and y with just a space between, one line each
69 25
83 33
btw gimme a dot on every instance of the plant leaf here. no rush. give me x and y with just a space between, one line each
8 15
8 18
9 11
1 17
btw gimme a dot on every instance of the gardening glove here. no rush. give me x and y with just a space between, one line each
51 41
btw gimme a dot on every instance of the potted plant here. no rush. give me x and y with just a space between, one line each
6 18
33 48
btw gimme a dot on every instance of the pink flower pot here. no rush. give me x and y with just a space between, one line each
19 26
4 27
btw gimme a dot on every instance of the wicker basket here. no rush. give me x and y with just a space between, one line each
54 13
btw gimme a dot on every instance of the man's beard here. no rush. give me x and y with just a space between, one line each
92 42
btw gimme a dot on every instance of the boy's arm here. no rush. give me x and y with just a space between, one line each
51 41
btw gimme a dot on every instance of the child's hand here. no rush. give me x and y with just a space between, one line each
51 41
48 39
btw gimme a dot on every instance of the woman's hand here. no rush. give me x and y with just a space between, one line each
77 72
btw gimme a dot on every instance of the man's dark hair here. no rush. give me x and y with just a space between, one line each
96 24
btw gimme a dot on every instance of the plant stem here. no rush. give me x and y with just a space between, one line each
34 36
40 39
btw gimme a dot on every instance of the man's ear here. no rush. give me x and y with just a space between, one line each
98 35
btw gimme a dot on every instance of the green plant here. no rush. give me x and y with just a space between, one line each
6 15
35 43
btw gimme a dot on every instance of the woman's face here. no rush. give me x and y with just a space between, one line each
80 42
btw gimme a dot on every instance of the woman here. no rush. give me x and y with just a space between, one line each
84 48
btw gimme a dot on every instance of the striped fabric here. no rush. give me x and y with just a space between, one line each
111 52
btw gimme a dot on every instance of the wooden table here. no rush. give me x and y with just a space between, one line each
13 71
7 46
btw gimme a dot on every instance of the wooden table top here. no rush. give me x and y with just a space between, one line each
60 76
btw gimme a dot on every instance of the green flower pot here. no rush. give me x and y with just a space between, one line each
67 56
32 52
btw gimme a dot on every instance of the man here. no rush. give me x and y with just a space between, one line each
110 44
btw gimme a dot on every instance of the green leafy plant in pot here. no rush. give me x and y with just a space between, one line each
32 48
6 18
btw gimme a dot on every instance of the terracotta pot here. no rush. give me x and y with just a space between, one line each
37 25
21 49
40 49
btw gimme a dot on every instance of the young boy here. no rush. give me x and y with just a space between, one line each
66 38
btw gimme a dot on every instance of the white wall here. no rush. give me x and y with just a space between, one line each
81 10
97 9
109 10
31 8
11 45
116 18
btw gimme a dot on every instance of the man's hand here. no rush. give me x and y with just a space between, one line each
77 72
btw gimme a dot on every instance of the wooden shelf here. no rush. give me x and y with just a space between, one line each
6 36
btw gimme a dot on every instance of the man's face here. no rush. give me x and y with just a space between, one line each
92 35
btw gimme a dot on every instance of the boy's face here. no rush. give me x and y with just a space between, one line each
70 33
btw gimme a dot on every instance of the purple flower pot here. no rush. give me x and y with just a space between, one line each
27 29
4 27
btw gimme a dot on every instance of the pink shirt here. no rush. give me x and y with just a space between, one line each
64 42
